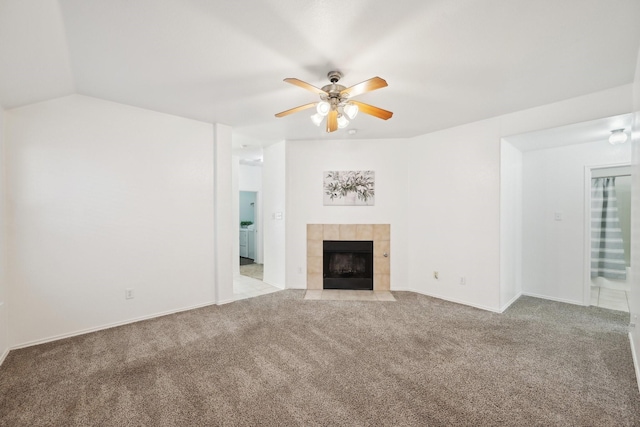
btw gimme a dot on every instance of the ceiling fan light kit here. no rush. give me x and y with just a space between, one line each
351 110
342 121
323 108
317 119
335 104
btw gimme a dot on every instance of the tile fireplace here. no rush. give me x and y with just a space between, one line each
349 263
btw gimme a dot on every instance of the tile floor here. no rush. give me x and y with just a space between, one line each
612 299
348 295
253 270
248 287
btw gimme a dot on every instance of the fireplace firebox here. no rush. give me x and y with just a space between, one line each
348 264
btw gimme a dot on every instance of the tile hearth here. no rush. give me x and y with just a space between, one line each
380 234
347 295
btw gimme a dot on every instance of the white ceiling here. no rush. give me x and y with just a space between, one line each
447 62
577 133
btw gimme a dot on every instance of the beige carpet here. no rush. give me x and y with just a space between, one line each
252 270
277 360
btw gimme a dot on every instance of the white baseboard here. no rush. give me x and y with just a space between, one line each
225 301
281 287
531 294
508 304
108 326
4 356
635 359
457 301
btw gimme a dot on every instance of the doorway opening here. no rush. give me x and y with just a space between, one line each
249 260
608 235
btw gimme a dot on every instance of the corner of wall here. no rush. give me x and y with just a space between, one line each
4 325
504 307
4 317
510 224
634 296
223 213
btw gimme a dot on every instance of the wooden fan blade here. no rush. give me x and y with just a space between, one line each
373 111
332 121
296 109
305 85
365 86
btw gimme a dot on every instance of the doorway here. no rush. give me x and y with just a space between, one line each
261 170
248 211
608 235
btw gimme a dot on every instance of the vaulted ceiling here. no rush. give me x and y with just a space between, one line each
447 62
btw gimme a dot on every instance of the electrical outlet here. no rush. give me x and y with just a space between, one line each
463 280
128 293
435 275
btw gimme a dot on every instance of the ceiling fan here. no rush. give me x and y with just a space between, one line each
335 102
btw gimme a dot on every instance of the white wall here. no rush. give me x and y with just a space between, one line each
306 162
634 295
225 204
510 224
249 178
248 206
454 180
4 312
553 252
103 197
274 202
456 172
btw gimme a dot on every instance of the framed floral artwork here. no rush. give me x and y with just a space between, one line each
349 188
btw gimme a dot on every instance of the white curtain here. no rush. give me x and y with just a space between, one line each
607 246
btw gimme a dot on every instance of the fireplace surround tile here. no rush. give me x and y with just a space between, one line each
381 265
381 232
364 231
331 232
314 248
381 247
347 232
314 280
314 264
314 232
382 281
